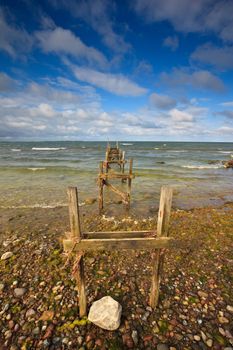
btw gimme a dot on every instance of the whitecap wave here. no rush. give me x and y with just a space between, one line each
127 144
35 169
202 166
156 148
43 206
48 148
15 149
225 152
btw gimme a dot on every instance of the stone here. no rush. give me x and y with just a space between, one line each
223 319
90 201
106 313
134 336
229 308
6 255
209 343
228 164
197 337
202 294
8 334
19 292
161 346
30 313
2 286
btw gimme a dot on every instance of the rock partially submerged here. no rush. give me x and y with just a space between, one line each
106 313
228 164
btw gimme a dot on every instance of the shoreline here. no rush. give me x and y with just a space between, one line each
196 289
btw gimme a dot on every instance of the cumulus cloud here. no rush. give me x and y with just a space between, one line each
98 15
227 104
191 16
162 101
117 84
13 40
219 57
172 42
59 40
200 79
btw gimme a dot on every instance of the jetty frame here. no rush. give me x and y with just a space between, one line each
114 155
78 242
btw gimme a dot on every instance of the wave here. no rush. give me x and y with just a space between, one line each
48 148
156 148
127 144
225 152
180 151
35 169
15 149
43 206
202 166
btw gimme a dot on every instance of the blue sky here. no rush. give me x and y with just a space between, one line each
121 70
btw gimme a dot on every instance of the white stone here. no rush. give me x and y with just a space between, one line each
30 313
106 313
19 292
6 255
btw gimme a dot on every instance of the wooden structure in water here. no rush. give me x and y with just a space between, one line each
107 172
78 242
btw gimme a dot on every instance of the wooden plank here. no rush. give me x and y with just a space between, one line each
78 273
162 231
119 243
101 188
164 211
116 176
129 182
74 213
155 282
118 192
118 234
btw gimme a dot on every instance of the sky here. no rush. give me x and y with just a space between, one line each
146 70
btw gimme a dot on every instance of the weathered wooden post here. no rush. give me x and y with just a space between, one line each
129 182
101 188
76 236
162 231
123 164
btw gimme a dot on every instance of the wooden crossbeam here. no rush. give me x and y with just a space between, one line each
118 234
118 244
116 176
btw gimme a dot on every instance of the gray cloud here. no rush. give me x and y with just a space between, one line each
162 101
219 57
13 40
200 79
59 40
6 83
172 42
191 16
228 114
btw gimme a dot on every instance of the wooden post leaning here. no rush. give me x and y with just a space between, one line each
118 240
162 231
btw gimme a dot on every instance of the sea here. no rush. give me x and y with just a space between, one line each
37 174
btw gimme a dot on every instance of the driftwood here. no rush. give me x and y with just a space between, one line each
79 242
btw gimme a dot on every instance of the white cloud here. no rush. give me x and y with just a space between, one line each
172 42
114 83
181 116
162 101
59 40
13 40
200 79
220 57
227 104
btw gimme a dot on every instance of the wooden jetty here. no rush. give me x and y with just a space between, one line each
107 172
78 242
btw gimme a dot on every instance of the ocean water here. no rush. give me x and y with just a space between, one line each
37 174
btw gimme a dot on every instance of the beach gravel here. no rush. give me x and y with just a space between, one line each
38 303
